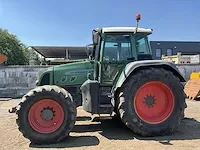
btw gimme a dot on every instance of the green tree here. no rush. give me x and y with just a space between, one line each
16 52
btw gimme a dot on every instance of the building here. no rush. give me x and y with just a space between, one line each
159 48
169 48
54 55
67 52
183 59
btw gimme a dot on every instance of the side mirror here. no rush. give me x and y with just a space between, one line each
95 37
89 50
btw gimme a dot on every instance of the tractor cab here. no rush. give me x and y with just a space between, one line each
115 47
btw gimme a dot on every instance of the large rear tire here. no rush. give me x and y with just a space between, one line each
151 102
46 114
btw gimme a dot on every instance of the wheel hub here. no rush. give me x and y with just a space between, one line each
149 100
47 114
158 103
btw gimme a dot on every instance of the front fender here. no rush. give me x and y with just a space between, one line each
134 66
45 77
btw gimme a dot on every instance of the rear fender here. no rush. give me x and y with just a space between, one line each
135 66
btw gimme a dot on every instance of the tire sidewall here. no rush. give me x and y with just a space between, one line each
171 83
60 99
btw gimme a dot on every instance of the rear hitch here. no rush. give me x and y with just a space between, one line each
13 109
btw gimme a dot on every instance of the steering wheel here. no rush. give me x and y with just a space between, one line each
109 59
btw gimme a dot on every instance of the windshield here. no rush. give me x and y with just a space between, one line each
124 47
142 45
117 47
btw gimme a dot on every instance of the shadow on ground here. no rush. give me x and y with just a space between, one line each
83 118
72 141
189 130
114 129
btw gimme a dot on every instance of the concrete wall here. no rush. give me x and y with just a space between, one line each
15 81
187 69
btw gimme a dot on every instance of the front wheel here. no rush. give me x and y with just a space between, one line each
46 114
152 102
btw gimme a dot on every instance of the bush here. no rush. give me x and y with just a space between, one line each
16 52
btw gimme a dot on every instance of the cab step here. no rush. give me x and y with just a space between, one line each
105 108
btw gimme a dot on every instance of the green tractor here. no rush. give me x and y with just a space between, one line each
119 76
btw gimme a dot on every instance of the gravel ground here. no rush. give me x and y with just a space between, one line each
105 134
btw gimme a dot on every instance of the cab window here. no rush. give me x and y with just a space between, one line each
117 48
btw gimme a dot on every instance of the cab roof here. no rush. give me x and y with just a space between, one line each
125 29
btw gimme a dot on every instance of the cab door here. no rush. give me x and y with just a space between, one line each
116 52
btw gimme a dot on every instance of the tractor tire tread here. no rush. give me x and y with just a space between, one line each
64 96
132 120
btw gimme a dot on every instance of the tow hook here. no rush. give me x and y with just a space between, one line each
13 109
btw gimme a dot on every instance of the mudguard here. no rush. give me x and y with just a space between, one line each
134 66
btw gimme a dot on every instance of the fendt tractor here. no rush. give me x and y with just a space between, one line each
119 77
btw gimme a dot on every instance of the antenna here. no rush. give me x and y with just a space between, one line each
138 17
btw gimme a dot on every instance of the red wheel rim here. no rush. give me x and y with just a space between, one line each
46 116
154 102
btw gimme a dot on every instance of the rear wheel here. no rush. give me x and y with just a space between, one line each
152 102
46 114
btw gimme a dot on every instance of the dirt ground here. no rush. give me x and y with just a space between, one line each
105 134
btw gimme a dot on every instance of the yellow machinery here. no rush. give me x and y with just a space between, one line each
195 75
192 87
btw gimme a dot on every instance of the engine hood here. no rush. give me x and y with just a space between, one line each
73 73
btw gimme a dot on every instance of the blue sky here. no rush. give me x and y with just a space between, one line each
70 22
